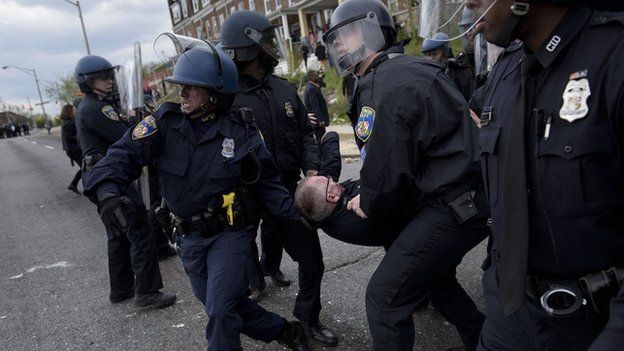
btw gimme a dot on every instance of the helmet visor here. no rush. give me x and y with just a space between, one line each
270 40
446 17
350 43
168 46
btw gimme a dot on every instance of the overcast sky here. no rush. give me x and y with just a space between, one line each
46 35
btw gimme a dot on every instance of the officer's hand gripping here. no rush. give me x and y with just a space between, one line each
111 211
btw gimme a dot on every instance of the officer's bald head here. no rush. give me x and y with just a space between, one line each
312 199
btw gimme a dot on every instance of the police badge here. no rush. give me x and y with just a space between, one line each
110 112
575 97
365 123
228 148
289 109
145 128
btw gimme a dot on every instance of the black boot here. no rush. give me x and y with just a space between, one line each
323 335
154 299
294 337
278 278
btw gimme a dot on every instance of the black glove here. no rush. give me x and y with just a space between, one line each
113 211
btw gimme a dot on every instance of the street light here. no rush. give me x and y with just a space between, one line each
84 32
33 73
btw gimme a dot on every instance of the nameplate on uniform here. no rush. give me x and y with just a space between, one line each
109 111
145 128
364 127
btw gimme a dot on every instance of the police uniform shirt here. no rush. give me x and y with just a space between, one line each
574 137
193 168
98 124
282 119
414 132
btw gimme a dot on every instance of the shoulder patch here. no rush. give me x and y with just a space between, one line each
365 123
110 112
145 128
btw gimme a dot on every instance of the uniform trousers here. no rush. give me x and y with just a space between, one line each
218 269
420 266
132 259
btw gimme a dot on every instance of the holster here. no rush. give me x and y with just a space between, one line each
599 288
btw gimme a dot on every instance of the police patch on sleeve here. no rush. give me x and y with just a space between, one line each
575 99
364 126
145 128
228 148
110 112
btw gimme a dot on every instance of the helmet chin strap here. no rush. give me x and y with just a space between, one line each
519 10
206 108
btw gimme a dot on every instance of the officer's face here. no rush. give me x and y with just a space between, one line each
103 84
191 98
349 40
493 23
437 55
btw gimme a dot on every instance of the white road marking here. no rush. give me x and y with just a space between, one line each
61 264
34 142
181 325
3 317
48 147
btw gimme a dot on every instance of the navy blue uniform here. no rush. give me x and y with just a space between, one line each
574 172
461 70
417 138
132 261
289 137
198 161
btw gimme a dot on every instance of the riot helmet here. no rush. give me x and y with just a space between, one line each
91 68
197 63
358 29
246 35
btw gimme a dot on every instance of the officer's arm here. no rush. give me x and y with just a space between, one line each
269 190
124 160
612 337
107 127
387 171
306 134
331 162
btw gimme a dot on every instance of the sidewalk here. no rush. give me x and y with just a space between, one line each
348 149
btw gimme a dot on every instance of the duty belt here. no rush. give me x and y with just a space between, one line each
223 211
564 297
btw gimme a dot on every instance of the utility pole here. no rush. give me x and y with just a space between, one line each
84 32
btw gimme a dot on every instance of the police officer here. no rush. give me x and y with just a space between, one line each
437 48
415 136
132 263
203 152
252 40
552 150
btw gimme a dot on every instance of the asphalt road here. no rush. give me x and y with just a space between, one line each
54 278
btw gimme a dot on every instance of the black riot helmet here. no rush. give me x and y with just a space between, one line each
357 29
245 35
93 67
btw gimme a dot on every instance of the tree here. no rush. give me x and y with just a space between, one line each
62 90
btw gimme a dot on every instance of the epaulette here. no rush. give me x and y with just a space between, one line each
600 18
165 108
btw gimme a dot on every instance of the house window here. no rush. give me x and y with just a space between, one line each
199 32
184 8
205 2
221 19
208 29
252 5
240 6
215 29
232 9
278 4
195 6
267 6
175 10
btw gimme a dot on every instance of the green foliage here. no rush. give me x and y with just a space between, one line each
62 90
57 121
